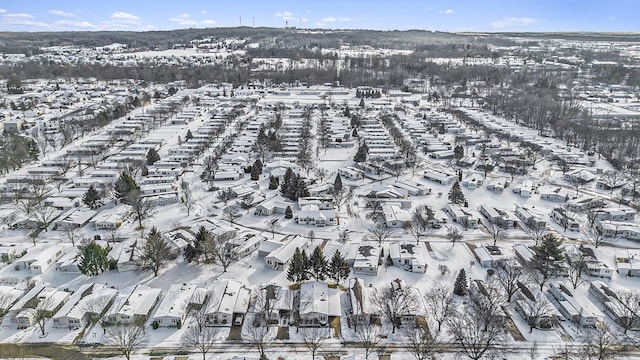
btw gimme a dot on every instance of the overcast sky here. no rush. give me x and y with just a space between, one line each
453 16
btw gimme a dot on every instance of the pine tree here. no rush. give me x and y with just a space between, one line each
156 253
190 253
338 267
362 104
337 184
91 198
124 185
189 135
361 154
255 172
547 258
456 196
318 264
93 259
273 182
286 184
298 270
152 156
460 286
288 213
347 112
458 152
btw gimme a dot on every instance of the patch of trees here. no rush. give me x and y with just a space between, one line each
16 151
293 186
304 267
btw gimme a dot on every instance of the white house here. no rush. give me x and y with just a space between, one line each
279 257
110 219
312 215
394 216
491 256
317 304
361 308
174 305
573 306
41 259
227 299
74 218
135 307
628 262
365 257
409 256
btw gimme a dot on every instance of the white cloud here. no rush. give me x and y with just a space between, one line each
74 24
332 19
128 18
285 15
18 16
62 13
2 11
448 12
186 20
320 24
514 22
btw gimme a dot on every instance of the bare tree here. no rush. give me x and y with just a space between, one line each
342 196
593 235
496 232
225 251
369 339
313 338
187 201
536 231
45 215
379 232
202 338
260 337
601 343
231 214
439 300
225 195
96 306
613 178
42 312
396 302
468 332
577 270
125 338
487 303
141 207
273 224
453 234
626 305
71 234
421 343
509 276
536 309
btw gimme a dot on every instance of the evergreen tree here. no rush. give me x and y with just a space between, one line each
347 111
190 253
286 184
152 156
362 104
338 267
547 258
255 172
91 197
458 152
362 153
456 196
288 213
124 186
460 287
337 184
298 270
318 264
156 253
259 165
189 135
273 182
93 259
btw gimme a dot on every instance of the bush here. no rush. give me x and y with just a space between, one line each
490 272
179 324
154 325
